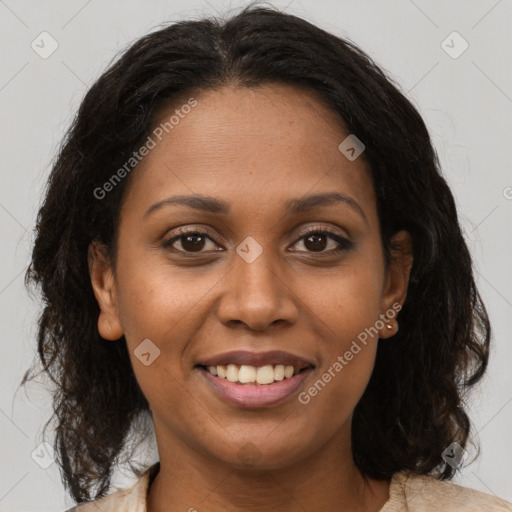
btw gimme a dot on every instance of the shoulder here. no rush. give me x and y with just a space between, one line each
119 501
132 499
427 493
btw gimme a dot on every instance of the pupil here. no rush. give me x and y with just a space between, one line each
315 245
194 246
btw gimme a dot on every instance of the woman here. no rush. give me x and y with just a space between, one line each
247 239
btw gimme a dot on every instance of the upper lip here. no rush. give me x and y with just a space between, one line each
246 357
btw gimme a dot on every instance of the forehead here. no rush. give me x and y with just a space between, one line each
251 145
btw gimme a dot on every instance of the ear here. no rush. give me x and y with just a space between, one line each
103 284
396 282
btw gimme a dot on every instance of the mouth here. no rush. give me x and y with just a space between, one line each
248 374
251 380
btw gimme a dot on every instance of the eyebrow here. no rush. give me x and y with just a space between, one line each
292 206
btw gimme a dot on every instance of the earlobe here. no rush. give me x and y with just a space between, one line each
397 282
103 284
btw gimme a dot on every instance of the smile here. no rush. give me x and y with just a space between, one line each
280 383
247 374
249 379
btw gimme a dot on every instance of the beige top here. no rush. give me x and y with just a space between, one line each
407 492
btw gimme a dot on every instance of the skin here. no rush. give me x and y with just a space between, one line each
254 149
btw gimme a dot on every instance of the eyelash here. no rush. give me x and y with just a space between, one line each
343 243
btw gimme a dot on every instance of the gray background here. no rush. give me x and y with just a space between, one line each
466 102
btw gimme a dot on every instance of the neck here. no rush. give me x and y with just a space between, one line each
328 480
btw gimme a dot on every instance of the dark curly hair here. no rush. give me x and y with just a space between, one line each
413 406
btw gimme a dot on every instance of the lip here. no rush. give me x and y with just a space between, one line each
255 395
247 357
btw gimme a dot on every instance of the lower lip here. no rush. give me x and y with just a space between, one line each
255 395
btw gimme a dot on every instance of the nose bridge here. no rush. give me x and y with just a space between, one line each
256 294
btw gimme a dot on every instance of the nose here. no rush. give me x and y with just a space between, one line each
257 294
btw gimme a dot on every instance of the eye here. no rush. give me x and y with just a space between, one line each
191 240
316 240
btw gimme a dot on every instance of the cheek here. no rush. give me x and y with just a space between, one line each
347 365
166 306
155 300
350 307
352 301
156 318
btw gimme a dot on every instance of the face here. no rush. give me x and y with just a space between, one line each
259 268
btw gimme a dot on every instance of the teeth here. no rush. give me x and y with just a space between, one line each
247 374
279 372
265 374
288 371
232 373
